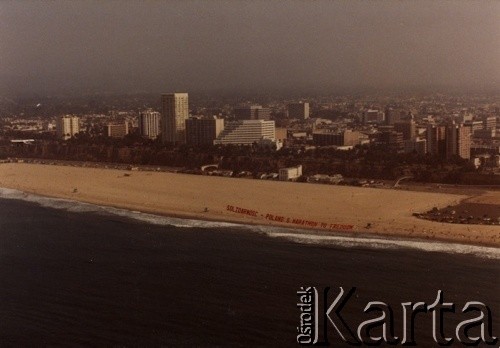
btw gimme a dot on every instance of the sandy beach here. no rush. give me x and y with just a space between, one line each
323 207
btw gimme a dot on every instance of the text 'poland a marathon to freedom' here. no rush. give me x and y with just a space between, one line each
288 220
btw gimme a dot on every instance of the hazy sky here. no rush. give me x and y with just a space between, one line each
155 46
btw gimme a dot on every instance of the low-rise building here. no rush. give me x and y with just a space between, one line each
118 130
281 133
345 138
291 173
326 179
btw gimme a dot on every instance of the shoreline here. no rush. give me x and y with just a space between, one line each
176 197
296 235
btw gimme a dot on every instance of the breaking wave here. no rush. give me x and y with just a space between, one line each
81 207
294 235
389 243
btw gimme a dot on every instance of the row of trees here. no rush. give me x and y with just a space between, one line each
360 162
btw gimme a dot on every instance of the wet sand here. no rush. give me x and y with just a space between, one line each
323 207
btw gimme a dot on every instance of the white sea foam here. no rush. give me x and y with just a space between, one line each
81 207
56 203
165 220
295 235
389 243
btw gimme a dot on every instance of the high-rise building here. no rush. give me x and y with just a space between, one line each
117 130
475 126
203 130
391 140
174 113
418 145
149 124
246 132
252 112
436 140
485 134
67 126
408 128
372 116
458 140
391 116
298 110
388 112
489 122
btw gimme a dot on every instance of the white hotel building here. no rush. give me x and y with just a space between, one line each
246 132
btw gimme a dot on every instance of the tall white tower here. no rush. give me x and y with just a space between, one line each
149 124
67 126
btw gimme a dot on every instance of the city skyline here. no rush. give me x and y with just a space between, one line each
233 172
121 47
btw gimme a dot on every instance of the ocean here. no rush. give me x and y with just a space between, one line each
76 274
